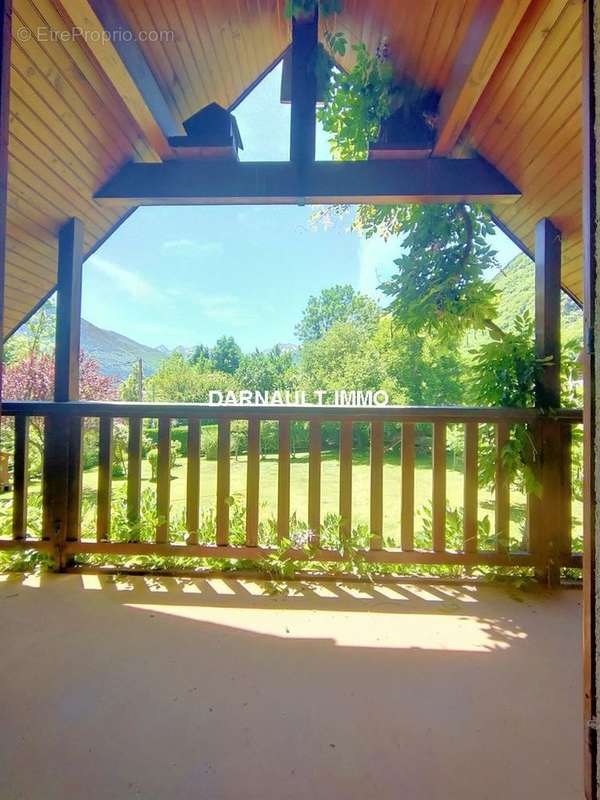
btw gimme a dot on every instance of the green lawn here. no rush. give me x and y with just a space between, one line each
330 490
299 492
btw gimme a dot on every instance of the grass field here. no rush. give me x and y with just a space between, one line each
330 491
299 493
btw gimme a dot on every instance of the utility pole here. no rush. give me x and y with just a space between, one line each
141 380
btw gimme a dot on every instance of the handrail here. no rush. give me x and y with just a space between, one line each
389 413
545 544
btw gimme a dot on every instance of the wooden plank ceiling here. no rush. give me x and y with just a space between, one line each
74 122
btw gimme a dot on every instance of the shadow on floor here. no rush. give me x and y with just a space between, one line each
180 688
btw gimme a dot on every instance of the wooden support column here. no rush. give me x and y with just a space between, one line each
591 81
5 47
547 312
63 433
68 311
305 37
547 515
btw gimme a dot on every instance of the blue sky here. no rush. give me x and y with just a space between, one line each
187 275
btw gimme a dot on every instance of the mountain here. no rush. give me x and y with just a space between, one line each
516 284
116 353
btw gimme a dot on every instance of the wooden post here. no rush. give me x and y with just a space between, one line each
590 432
62 440
68 311
547 312
305 37
546 514
5 47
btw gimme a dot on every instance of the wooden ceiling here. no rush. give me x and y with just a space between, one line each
76 116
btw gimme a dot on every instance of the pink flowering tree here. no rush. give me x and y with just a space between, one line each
32 378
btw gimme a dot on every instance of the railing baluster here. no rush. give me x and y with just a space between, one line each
471 483
192 496
283 480
376 485
345 482
502 491
134 473
105 459
550 535
314 480
439 487
252 482
407 523
54 465
75 480
163 479
566 436
223 481
20 477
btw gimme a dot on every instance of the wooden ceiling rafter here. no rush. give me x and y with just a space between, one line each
82 16
218 50
486 39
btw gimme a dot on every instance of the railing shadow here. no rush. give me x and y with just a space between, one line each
166 687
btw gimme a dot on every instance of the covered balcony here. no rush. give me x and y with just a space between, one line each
316 653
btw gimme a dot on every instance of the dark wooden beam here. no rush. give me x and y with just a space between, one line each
197 182
303 117
490 31
63 435
547 312
590 178
133 58
68 311
5 45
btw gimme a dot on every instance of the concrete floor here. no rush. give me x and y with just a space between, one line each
164 688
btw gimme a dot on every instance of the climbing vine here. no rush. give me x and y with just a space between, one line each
306 8
440 286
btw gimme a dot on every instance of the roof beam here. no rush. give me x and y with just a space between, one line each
83 18
490 31
303 114
201 182
134 59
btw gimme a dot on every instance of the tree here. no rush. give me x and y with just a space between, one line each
201 356
32 378
261 372
133 385
36 336
345 357
178 381
340 303
423 370
226 355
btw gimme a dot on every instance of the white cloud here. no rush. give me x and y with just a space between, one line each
222 307
128 281
191 247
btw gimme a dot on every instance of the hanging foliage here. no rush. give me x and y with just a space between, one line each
306 8
356 103
440 285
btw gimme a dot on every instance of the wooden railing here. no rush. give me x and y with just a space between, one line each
548 543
